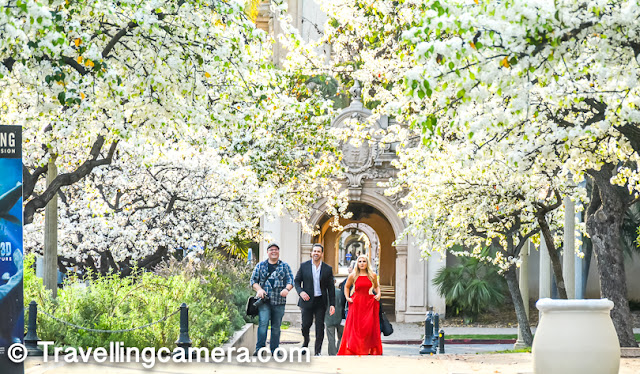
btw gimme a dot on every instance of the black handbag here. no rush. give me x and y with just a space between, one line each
385 326
252 310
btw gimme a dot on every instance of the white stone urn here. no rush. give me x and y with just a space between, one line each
575 337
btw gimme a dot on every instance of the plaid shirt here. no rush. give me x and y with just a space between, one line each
281 277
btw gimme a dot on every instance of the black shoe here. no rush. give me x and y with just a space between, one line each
304 350
318 355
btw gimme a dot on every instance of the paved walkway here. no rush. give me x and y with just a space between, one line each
413 332
397 358
403 332
515 363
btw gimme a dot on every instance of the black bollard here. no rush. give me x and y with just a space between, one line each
427 344
31 339
441 348
436 328
184 341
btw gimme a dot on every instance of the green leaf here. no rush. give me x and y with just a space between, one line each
61 97
430 123
461 93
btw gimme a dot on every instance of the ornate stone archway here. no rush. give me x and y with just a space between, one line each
367 166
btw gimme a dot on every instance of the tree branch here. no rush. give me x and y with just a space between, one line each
29 180
74 64
116 38
68 179
631 131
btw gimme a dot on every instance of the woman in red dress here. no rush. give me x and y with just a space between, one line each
361 334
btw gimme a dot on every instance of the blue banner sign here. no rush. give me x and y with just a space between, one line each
11 247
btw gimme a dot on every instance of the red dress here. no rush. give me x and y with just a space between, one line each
361 334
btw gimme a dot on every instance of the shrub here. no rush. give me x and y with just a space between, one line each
470 287
113 303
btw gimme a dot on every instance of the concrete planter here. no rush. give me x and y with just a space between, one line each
244 338
575 337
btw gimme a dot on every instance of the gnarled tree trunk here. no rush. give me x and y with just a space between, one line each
604 225
516 297
553 254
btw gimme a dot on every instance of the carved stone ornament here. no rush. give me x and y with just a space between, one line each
357 159
359 162
396 199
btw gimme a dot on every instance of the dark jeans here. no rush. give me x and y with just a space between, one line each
317 310
269 313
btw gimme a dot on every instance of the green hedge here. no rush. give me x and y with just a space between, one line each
215 292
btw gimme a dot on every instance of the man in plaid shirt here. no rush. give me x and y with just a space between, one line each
272 278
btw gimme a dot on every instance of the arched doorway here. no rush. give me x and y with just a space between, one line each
356 239
367 232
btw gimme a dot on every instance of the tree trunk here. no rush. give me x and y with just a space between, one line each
521 314
604 225
553 254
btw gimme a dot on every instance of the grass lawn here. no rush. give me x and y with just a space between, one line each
482 336
523 350
496 336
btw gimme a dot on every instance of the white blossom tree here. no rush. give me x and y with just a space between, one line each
365 39
560 79
461 193
123 215
552 87
186 86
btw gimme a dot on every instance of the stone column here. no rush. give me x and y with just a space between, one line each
569 247
50 273
524 288
434 263
544 290
401 282
579 263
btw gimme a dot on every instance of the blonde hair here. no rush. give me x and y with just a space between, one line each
368 271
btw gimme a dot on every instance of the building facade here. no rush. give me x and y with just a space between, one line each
374 229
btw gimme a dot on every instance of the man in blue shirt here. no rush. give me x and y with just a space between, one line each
273 279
